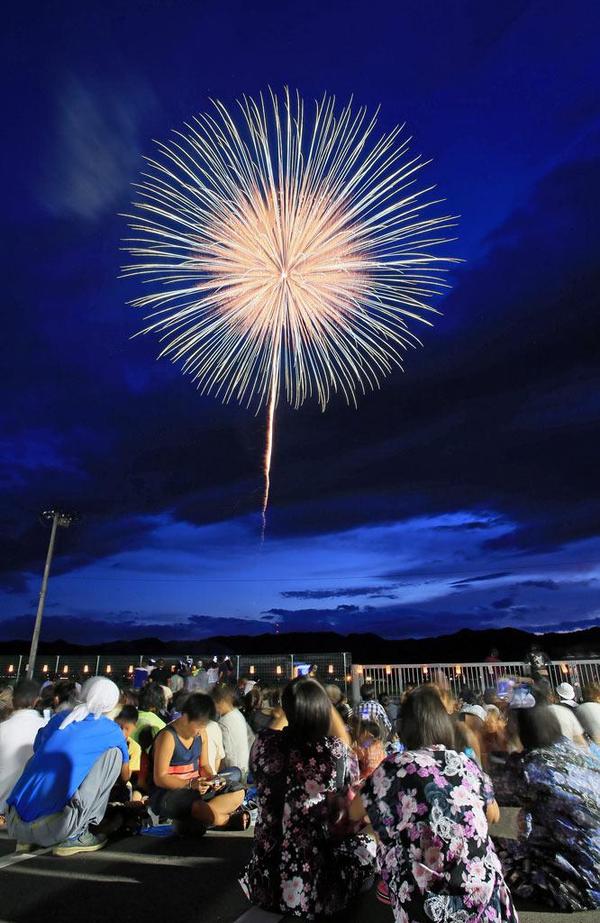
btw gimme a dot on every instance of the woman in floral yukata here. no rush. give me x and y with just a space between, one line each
430 807
556 859
298 865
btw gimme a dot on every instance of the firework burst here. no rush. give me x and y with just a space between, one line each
285 258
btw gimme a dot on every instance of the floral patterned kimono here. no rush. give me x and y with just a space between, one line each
297 867
435 853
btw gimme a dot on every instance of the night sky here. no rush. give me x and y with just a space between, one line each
464 493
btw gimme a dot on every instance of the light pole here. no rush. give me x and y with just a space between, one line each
57 518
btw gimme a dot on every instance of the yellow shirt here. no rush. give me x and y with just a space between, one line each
135 754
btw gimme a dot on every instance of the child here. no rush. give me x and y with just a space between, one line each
368 746
127 720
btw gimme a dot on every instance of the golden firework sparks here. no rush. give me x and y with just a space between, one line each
283 257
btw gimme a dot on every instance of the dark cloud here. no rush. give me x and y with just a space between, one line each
372 591
541 584
473 525
481 579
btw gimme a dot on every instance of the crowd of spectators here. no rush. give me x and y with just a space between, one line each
399 794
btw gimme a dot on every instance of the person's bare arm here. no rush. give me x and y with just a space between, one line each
125 772
205 766
492 812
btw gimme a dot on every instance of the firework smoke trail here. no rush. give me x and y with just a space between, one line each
268 457
285 258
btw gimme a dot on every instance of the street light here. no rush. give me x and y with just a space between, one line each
64 520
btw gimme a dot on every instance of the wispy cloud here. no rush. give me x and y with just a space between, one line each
97 147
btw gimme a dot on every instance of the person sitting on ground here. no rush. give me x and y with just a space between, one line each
161 673
340 702
151 702
234 729
556 859
176 680
474 716
6 701
212 674
65 786
369 709
226 672
244 685
127 720
272 706
253 710
17 734
564 712
197 679
430 807
65 694
367 745
391 709
297 865
588 714
185 787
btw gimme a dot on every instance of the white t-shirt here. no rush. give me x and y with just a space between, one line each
588 716
17 735
569 725
215 745
235 740
212 676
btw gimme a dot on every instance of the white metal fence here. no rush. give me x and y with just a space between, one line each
396 677
269 669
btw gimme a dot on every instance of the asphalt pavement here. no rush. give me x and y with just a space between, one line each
141 879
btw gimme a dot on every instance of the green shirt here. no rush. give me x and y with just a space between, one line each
146 718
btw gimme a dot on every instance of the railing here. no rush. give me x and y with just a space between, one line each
270 669
395 678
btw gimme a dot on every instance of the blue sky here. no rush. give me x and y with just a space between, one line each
463 493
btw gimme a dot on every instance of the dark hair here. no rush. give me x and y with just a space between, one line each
543 692
128 714
65 690
365 726
179 700
424 722
199 707
307 709
253 699
537 727
469 696
367 692
152 698
271 697
25 694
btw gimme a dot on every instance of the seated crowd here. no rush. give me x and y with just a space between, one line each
395 795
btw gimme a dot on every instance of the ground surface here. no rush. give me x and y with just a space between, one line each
140 879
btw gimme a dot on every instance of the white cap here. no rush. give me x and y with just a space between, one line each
566 691
476 710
